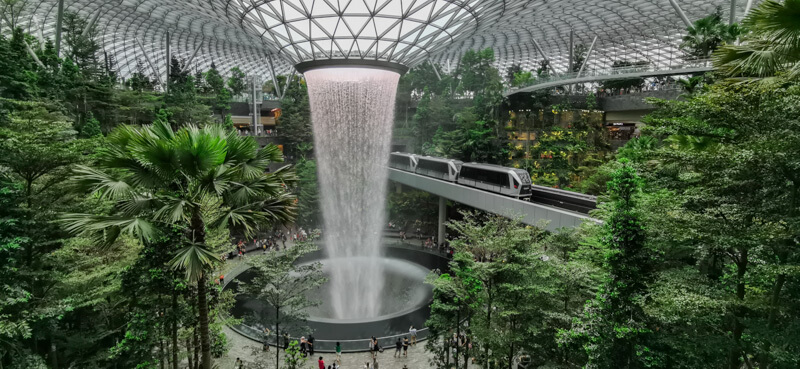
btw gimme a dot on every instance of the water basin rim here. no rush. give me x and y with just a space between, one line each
351 63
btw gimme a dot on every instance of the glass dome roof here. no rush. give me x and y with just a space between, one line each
252 34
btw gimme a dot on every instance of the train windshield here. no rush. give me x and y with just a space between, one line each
525 177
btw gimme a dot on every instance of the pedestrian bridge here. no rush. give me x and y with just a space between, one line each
609 74
530 213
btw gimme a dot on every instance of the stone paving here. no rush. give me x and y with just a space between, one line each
251 353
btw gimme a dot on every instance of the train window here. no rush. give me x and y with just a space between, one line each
433 165
399 160
516 183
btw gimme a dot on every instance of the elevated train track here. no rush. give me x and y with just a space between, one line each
557 209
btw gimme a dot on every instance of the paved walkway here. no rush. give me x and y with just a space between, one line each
254 357
251 353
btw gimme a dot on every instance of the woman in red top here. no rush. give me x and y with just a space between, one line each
321 363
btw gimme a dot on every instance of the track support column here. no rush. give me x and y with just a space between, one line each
442 220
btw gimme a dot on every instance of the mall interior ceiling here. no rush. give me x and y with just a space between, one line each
265 37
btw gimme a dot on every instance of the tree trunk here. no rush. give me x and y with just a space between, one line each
774 299
738 327
488 322
174 329
196 346
205 341
446 352
198 230
189 352
458 337
162 355
277 337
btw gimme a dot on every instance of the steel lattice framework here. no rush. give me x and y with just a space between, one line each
265 35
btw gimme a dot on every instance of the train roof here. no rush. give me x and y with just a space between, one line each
492 167
441 160
403 154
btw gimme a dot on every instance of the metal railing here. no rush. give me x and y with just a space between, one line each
360 345
616 73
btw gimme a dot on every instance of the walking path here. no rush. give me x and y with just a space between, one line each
251 353
254 357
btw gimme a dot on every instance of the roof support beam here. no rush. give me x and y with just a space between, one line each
169 61
541 52
272 74
439 76
571 50
91 23
681 14
288 82
59 22
748 7
257 128
588 56
732 15
191 58
33 55
149 62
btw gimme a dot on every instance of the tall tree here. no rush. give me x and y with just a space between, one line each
285 285
236 82
615 328
194 178
706 35
294 124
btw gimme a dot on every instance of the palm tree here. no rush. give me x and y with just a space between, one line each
192 178
771 46
706 35
691 85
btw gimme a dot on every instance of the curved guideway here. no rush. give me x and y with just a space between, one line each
406 303
530 213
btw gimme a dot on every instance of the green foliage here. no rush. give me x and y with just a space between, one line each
111 300
626 83
91 128
284 285
725 202
523 78
771 45
615 329
237 82
707 35
294 125
294 359
309 213
412 208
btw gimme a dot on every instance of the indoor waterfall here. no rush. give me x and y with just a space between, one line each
352 111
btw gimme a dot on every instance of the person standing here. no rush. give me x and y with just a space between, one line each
373 347
285 341
413 332
338 353
303 346
398 346
321 363
311 344
405 346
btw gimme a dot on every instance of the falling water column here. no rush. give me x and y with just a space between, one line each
352 111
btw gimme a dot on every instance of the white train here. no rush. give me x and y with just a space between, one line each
501 180
493 178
